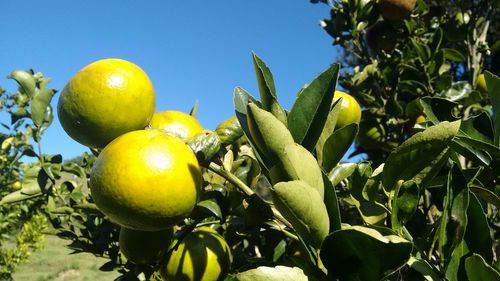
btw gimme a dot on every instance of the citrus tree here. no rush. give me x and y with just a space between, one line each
266 196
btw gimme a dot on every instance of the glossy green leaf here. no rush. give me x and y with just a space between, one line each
453 55
478 270
337 145
420 157
427 272
229 130
493 85
358 180
310 111
477 234
205 145
278 273
487 195
438 109
454 218
267 89
404 204
361 253
332 205
303 207
26 81
241 98
341 172
475 140
328 130
211 206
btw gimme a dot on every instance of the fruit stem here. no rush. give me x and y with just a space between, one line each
244 188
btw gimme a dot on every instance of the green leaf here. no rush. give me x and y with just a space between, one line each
361 253
337 145
477 234
303 207
478 270
332 205
359 178
278 273
212 206
341 172
241 98
205 145
328 130
478 127
279 250
39 105
475 140
18 196
453 55
310 111
424 268
268 133
438 109
372 213
267 89
404 204
420 157
194 109
297 163
454 218
229 130
486 195
26 81
493 85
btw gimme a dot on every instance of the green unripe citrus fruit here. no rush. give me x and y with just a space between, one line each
146 180
371 134
104 100
202 255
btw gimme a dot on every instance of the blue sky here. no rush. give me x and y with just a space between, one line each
191 50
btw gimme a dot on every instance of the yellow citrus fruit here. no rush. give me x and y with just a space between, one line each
176 123
104 100
481 84
201 256
146 180
420 119
350 111
144 247
396 10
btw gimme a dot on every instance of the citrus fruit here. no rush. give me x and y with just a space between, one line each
396 10
481 84
104 100
350 111
420 119
176 123
144 247
146 180
203 255
371 134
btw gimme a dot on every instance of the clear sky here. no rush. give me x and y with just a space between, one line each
191 50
